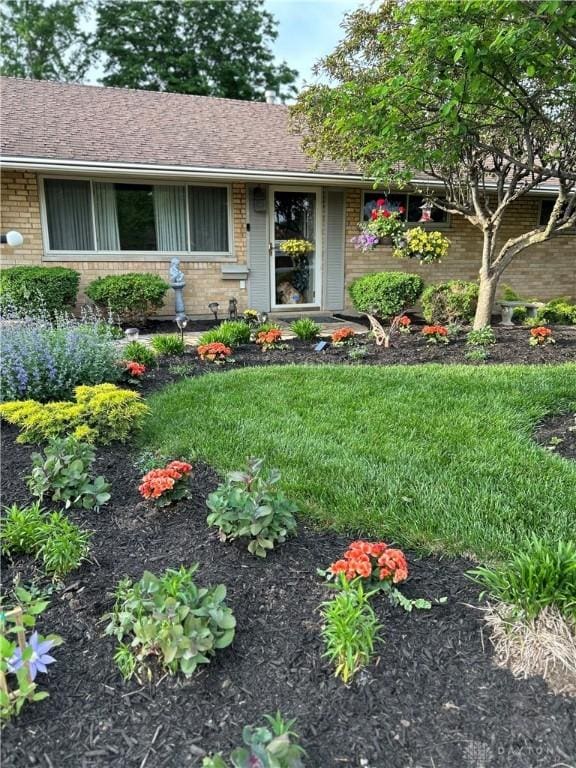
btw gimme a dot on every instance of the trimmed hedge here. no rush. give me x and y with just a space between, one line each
29 289
385 294
131 296
450 302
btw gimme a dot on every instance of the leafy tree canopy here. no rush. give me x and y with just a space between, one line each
43 40
209 48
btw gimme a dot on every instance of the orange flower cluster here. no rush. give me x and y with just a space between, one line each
268 338
435 330
342 334
134 369
213 351
541 332
372 559
404 321
158 481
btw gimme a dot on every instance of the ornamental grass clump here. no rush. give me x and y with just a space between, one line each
171 619
350 629
99 414
139 353
168 484
44 359
230 332
249 506
305 329
168 344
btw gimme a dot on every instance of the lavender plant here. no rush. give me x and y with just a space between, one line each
44 359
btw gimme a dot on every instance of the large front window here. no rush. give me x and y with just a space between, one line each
412 205
109 217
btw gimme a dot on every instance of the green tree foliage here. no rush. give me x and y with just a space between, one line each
210 48
44 40
480 96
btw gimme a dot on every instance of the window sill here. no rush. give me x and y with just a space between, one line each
138 257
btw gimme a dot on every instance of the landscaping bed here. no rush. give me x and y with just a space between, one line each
558 434
433 697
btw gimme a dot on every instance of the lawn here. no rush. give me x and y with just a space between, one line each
431 457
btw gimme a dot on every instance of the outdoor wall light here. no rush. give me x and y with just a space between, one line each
181 322
132 334
213 307
13 239
259 200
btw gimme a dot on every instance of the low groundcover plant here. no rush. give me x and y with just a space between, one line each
171 618
165 485
249 506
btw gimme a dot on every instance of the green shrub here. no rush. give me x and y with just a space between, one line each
139 353
519 315
454 301
385 294
230 332
171 618
350 629
64 472
49 537
30 289
305 329
477 355
131 296
537 575
275 746
557 312
100 414
481 337
248 506
509 294
168 344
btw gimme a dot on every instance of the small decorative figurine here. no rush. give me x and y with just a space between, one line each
233 309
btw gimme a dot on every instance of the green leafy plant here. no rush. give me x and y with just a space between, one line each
168 344
169 617
305 329
385 294
519 315
350 628
357 353
22 659
448 302
139 353
27 289
537 574
477 355
64 473
132 296
249 506
509 294
230 332
102 413
274 746
49 537
269 325
559 311
481 337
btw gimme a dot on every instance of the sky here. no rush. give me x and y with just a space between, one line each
307 30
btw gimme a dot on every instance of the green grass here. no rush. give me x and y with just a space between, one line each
431 457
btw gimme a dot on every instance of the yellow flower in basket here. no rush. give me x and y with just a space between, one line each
296 247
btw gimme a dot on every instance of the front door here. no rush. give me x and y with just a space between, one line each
295 248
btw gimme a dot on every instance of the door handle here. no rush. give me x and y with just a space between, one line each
270 249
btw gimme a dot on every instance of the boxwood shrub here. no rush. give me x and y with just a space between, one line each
450 302
30 289
132 296
385 294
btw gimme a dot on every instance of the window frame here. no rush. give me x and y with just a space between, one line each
49 254
409 224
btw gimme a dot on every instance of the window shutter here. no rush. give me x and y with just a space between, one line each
334 251
258 258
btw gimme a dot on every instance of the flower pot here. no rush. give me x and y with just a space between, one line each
387 241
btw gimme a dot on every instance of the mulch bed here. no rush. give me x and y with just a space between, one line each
558 434
433 697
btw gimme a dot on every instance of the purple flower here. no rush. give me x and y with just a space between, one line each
39 659
365 241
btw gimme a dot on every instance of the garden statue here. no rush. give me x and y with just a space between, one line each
177 282
233 309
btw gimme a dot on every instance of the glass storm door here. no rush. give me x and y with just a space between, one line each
295 277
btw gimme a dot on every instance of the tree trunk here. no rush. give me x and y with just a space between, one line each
486 296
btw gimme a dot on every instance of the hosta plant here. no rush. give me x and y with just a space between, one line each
273 746
63 472
165 485
481 337
380 566
170 618
248 505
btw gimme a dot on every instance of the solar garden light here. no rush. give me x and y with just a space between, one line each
13 239
181 322
213 307
132 334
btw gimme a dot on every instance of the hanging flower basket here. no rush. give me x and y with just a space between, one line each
296 248
418 243
383 228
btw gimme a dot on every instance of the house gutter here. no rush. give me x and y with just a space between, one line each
225 174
